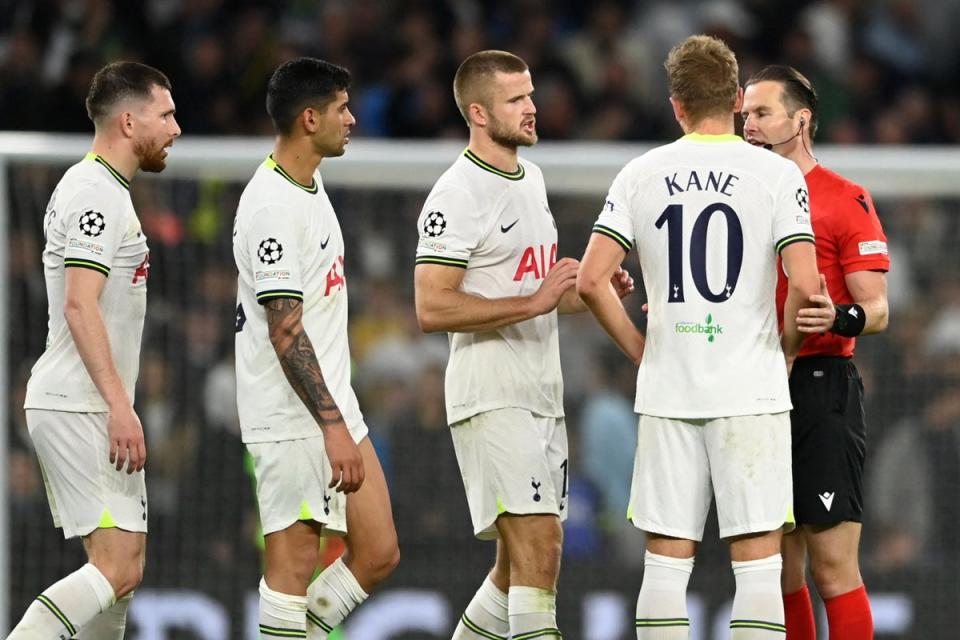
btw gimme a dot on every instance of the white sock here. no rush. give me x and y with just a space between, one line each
662 603
486 615
533 613
281 615
331 597
109 625
65 607
758 604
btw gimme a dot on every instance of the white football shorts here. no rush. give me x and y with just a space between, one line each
84 489
292 485
512 461
744 461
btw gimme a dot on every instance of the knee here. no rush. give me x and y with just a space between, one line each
834 576
544 553
372 564
384 559
124 578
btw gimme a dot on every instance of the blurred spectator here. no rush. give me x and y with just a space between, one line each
597 66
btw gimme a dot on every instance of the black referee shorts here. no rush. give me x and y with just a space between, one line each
829 440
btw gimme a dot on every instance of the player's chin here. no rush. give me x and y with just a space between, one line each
153 164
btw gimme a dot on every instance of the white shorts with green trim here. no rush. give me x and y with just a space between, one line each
292 485
512 461
85 491
745 461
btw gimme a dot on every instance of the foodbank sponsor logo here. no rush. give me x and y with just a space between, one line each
708 328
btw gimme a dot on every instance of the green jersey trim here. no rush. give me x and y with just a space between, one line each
87 264
613 235
712 138
486 166
448 262
270 163
106 165
796 237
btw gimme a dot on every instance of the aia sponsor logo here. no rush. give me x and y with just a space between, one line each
537 261
142 272
336 277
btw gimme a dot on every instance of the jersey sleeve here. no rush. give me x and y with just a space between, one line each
860 238
448 227
614 220
273 244
791 216
94 227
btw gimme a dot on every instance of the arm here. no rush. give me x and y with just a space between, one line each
82 288
803 282
622 284
869 290
600 262
442 306
299 363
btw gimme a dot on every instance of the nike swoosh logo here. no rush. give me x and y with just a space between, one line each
323 245
504 229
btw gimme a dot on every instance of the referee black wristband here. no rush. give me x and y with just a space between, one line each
850 321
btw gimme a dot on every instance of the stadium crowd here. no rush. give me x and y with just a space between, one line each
885 68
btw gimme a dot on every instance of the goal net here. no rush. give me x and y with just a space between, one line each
204 554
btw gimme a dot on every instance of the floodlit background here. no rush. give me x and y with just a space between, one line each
887 73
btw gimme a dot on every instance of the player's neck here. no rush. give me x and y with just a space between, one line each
494 154
117 156
711 127
300 162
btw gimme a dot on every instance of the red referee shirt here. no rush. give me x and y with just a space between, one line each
849 239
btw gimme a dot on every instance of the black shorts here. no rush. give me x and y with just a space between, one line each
829 440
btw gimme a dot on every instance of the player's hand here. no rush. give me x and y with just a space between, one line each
622 282
820 318
562 276
345 459
127 445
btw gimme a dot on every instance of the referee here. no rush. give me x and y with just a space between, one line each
829 434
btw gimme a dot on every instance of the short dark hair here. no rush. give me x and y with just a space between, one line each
797 90
119 81
472 83
703 75
302 83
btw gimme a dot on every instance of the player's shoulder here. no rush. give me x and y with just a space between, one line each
266 192
85 183
831 181
456 186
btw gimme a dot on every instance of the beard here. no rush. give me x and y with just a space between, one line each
150 156
507 137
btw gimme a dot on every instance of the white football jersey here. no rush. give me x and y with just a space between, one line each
287 244
709 215
90 224
497 226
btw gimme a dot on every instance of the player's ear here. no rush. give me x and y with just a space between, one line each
738 104
678 111
310 119
478 114
125 121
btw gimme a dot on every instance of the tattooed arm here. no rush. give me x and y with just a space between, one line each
299 363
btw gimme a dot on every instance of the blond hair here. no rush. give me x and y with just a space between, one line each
703 75
473 82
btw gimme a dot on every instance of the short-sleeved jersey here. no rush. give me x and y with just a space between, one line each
708 215
90 223
498 227
287 244
849 239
